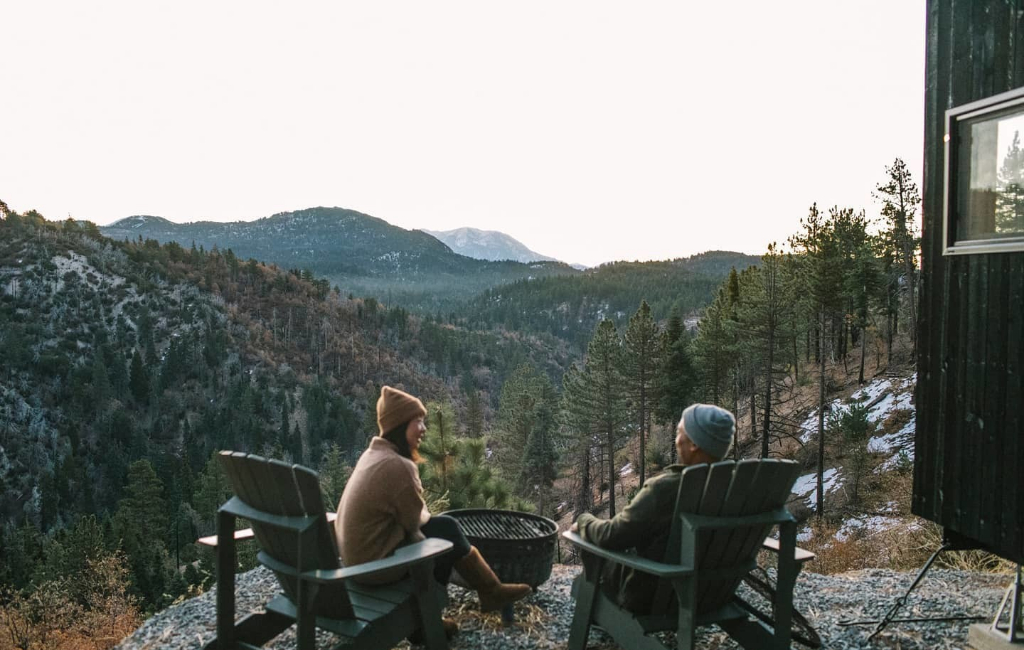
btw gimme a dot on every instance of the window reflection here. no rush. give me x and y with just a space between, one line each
991 178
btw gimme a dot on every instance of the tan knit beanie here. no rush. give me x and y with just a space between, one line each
397 407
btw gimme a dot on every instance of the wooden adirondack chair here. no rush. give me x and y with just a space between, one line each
297 543
722 515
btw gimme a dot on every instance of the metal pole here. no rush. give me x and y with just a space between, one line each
1015 609
902 600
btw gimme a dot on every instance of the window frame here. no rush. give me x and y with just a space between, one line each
971 111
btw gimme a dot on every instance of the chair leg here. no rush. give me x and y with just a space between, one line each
225 579
306 623
750 634
430 620
429 606
784 584
686 594
586 594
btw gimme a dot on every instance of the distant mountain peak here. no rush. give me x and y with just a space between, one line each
487 245
139 221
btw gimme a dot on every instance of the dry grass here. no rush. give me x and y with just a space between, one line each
530 620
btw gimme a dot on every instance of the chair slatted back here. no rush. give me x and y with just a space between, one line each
724 489
758 486
277 488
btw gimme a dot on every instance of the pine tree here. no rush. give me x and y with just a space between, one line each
765 321
641 362
138 379
855 428
474 415
541 467
1009 218
517 413
141 524
712 348
605 394
100 380
900 200
334 473
820 272
676 374
578 427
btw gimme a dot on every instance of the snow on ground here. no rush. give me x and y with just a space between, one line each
892 395
869 525
626 470
806 486
894 461
80 265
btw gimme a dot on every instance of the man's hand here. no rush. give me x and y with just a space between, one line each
574 528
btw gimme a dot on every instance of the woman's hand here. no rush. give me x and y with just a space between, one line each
574 528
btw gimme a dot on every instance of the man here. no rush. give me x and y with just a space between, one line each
703 435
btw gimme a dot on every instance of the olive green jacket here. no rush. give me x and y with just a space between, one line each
644 526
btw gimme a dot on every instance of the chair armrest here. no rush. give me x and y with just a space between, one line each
659 569
799 554
403 557
246 533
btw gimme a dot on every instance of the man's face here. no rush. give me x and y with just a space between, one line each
684 446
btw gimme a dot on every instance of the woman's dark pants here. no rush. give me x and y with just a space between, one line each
446 527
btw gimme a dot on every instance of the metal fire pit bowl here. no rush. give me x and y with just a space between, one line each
519 546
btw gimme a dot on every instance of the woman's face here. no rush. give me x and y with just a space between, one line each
414 433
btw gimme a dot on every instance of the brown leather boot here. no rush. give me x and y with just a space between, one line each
492 593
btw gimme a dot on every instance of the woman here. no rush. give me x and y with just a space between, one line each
382 506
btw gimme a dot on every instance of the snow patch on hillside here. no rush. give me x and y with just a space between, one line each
807 485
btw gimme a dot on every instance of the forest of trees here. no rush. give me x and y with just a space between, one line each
128 364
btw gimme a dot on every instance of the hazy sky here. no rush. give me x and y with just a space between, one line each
591 131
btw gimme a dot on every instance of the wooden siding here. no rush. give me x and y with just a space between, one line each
969 464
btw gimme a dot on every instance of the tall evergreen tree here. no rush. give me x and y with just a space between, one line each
900 200
141 524
713 348
641 363
138 379
676 383
765 318
521 394
578 426
821 274
1009 218
605 394
474 415
541 467
100 380
334 474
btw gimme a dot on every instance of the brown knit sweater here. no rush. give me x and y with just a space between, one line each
381 508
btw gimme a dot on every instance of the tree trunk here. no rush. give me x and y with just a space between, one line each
796 362
863 353
766 419
753 414
820 511
583 499
642 461
611 474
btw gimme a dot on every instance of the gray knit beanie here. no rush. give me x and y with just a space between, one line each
709 427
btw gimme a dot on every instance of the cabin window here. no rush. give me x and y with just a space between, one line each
985 176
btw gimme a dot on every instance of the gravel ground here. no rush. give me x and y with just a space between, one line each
543 619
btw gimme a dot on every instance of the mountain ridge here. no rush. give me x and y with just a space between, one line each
491 245
358 252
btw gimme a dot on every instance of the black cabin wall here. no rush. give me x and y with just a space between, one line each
969 460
